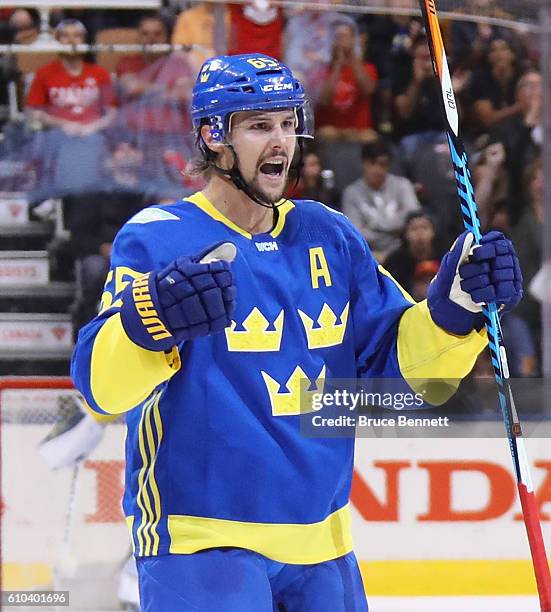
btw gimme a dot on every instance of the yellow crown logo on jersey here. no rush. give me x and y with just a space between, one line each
297 394
328 332
204 76
256 337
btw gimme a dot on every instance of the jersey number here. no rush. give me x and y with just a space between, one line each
264 62
123 277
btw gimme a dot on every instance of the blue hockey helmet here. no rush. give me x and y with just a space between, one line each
229 84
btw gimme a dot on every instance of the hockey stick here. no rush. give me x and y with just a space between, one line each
66 564
471 221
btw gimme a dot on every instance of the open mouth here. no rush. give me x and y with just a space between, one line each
274 169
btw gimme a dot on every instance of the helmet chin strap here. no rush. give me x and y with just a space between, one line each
234 174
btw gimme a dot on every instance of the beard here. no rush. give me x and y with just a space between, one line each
272 196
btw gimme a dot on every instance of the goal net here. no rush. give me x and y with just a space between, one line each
61 528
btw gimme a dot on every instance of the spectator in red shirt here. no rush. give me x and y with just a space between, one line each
343 108
155 88
256 27
70 93
74 99
343 103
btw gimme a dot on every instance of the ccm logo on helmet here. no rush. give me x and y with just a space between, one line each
266 246
276 87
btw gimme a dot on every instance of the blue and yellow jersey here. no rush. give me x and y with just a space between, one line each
214 453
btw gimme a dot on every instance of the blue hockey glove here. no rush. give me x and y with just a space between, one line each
190 298
470 277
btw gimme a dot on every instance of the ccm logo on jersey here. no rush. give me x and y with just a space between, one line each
266 246
276 87
150 317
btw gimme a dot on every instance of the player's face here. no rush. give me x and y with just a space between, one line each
265 144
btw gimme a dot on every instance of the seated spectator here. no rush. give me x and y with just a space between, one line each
95 20
197 26
492 87
161 82
528 239
469 43
343 105
255 27
74 99
306 54
155 90
417 95
71 93
94 218
21 28
522 136
379 202
387 41
315 183
419 243
25 26
152 30
343 108
469 40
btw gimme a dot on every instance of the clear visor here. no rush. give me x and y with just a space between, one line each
308 125
304 122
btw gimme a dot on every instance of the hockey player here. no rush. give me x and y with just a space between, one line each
213 310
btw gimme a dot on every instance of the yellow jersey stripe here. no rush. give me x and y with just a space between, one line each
286 543
282 210
201 202
150 478
142 499
130 524
206 206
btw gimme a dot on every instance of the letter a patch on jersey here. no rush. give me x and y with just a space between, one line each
319 268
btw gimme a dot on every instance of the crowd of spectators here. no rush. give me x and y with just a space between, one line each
380 153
